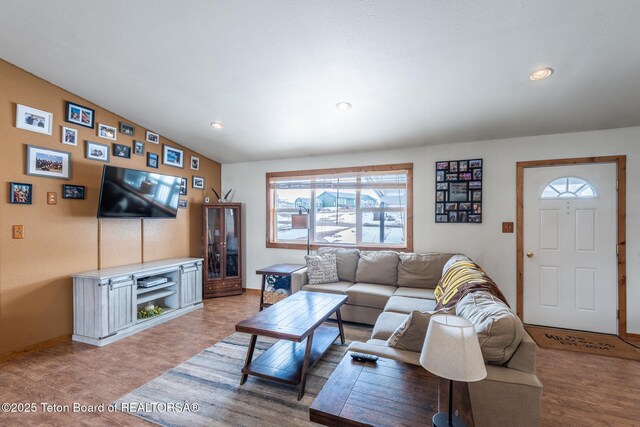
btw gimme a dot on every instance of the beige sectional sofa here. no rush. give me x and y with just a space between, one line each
384 287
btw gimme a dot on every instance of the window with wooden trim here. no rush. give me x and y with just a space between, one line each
364 207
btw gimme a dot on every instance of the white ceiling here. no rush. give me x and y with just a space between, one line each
417 72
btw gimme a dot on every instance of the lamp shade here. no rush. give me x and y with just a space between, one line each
451 349
300 221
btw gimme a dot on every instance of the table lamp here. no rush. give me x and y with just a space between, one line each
451 350
300 221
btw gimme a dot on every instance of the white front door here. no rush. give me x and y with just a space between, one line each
570 227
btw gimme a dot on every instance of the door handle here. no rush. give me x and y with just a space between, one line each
529 254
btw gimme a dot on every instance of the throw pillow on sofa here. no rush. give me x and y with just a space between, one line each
378 267
347 261
321 269
411 333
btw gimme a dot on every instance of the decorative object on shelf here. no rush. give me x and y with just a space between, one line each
195 163
80 115
300 221
183 186
172 156
97 151
222 249
20 193
48 162
69 136
107 132
138 148
73 191
154 138
451 350
127 129
152 160
182 204
149 311
459 191
198 182
224 199
32 119
123 151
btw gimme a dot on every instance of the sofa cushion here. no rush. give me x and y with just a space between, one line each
329 288
379 267
321 269
406 305
370 294
415 293
421 270
499 330
411 333
386 325
346 260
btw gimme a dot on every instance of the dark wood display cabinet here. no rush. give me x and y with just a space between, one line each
222 250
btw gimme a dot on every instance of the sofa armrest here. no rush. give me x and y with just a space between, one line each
524 358
298 280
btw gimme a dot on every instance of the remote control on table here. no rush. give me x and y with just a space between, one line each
363 357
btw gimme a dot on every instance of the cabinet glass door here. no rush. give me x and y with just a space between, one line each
215 243
232 229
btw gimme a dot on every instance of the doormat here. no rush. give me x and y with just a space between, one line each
585 342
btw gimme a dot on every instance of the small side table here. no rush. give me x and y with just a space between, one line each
283 270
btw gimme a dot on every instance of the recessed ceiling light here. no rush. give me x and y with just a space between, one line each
343 106
541 74
217 125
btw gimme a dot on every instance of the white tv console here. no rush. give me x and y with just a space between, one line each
106 302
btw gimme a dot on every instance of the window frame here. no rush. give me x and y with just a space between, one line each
271 208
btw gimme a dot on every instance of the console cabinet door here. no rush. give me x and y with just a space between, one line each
191 285
121 305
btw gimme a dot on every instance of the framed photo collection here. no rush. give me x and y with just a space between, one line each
48 162
20 193
73 192
459 191
97 151
107 132
32 119
172 156
80 115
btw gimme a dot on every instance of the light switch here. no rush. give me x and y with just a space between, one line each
507 227
52 198
18 231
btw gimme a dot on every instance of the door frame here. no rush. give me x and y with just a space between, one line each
621 167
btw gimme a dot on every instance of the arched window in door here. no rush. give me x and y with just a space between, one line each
569 187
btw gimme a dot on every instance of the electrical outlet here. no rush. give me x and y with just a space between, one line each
507 227
52 198
18 231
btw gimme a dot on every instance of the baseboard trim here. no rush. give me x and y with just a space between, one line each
35 347
251 291
632 336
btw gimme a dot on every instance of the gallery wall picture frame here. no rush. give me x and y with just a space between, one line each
73 191
182 204
459 191
20 193
34 120
47 162
120 150
152 160
183 186
69 136
97 151
138 148
107 132
172 156
127 129
197 182
79 115
153 138
195 163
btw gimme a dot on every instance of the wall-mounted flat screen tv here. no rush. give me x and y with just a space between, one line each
130 193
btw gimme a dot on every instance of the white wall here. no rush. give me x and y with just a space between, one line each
494 251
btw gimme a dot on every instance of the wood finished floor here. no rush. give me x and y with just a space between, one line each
579 389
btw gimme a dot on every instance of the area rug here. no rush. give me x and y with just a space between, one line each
585 342
211 380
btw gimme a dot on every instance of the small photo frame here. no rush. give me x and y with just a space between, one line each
440 196
441 218
73 192
475 184
440 176
107 132
466 206
182 204
465 176
458 192
453 166
475 163
32 119
48 162
69 136
123 151
451 177
463 166
477 174
152 160
475 218
442 186
463 216
97 151
183 186
20 193
442 165
172 156
83 116
138 148
476 196
452 216
451 207
153 138
439 208
198 182
127 129
477 208
195 163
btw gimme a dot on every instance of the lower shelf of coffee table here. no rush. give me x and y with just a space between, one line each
283 361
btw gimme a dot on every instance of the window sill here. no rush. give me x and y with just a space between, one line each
314 246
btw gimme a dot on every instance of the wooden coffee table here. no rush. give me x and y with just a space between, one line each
293 320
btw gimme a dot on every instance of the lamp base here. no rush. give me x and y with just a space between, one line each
441 419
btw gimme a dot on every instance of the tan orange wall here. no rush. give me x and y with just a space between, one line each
36 302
